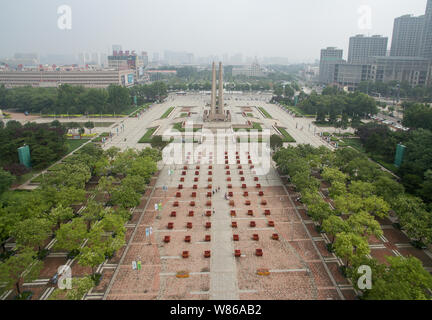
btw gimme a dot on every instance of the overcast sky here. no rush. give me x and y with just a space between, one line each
295 29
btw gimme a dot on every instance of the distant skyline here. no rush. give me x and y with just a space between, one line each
296 30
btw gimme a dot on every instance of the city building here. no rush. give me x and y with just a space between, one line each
56 76
362 47
426 43
350 75
407 36
127 60
252 70
329 58
414 70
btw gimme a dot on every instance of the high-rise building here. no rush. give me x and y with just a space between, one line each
426 43
407 36
329 58
361 48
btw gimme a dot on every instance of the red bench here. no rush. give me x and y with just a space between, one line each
236 237
233 213
185 254
189 225
188 239
170 225
267 212
271 224
245 194
275 236
234 224
207 238
252 224
208 225
255 237
167 239
242 179
192 204
207 254
173 214
237 253
250 213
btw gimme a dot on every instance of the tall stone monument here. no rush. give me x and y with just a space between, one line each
217 113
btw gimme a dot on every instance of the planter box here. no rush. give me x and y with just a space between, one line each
255 237
182 179
209 186
252 224
239 167
231 203
173 214
188 239
227 167
178 195
198 167
208 203
245 194
197 173
192 203
250 213
242 179
210 179
191 213
209 194
210 167
259 252
237 157
180 187
195 187
170 226
238 162
207 254
252 166
185 168
207 238
208 225
236 237
230 186
234 224
230 194
176 204
258 186
241 173
167 239
185 254
194 195
261 193
271 224
208 213
226 162
237 253
228 173
264 202
275 236
256 179
267 212
233 213
196 179
183 173
244 186
210 173
247 202
228 179
189 225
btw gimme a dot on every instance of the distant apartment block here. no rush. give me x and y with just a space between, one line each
88 79
362 47
407 36
329 58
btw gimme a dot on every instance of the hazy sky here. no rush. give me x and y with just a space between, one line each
296 29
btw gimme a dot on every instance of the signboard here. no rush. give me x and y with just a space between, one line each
139 265
134 265
130 78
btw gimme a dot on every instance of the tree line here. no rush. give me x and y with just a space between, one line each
51 210
361 193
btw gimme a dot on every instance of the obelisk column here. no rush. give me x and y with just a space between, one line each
221 90
213 92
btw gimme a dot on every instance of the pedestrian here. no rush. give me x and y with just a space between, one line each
218 188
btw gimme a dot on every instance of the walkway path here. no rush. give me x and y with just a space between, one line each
223 269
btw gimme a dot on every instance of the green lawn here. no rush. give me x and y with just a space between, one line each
354 143
266 114
74 144
147 137
178 127
167 113
256 126
286 136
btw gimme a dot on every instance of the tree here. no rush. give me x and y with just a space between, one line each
20 268
94 211
80 286
348 203
333 175
362 189
71 235
106 184
304 181
135 182
376 206
349 246
364 224
143 167
125 197
334 225
89 125
154 154
388 188
91 257
6 180
337 189
404 279
276 142
60 214
158 143
32 232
